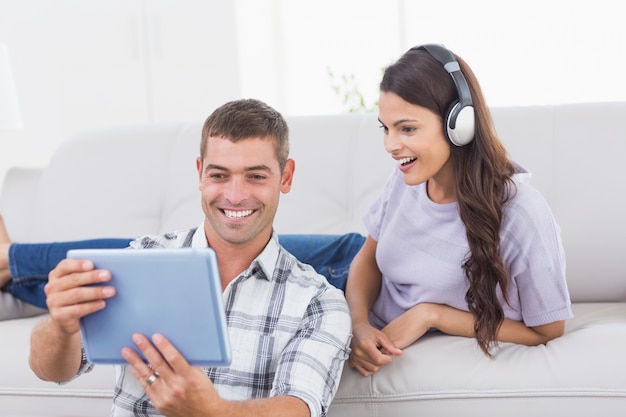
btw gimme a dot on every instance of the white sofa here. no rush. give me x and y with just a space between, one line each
131 180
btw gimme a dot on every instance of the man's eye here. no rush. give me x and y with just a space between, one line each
258 177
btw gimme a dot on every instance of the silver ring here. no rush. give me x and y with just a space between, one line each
152 378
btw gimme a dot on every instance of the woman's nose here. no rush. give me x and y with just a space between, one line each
392 143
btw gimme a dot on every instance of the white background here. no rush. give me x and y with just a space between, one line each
523 52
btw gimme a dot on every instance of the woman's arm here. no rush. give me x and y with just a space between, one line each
410 326
364 281
371 348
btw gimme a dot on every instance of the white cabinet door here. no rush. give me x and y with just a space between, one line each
147 60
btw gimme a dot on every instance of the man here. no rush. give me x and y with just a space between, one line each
289 366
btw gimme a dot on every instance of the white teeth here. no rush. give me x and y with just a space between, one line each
237 214
405 161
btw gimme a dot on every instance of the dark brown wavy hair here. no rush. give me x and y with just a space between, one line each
483 181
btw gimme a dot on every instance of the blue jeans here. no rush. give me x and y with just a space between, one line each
30 263
330 255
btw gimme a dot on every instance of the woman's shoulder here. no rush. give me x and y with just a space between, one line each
527 203
523 188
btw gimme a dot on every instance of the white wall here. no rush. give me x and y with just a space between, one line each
86 63
525 52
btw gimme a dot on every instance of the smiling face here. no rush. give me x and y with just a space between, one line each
414 137
240 183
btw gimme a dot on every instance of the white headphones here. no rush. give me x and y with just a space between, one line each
459 119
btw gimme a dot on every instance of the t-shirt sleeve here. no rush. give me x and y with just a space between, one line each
533 252
374 217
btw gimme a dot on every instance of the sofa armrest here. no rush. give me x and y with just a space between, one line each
18 200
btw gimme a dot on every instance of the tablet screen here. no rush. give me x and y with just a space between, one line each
175 292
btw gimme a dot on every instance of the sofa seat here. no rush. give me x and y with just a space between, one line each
447 375
23 394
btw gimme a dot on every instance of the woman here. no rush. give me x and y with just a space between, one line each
458 240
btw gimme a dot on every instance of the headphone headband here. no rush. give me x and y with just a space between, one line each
459 120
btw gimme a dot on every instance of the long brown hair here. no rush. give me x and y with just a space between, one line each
483 181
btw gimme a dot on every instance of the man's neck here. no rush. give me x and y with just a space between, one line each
233 259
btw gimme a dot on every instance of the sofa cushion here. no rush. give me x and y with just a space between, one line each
116 175
341 166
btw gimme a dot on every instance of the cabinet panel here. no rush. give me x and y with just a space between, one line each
147 60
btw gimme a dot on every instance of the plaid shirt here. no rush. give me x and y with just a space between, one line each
289 332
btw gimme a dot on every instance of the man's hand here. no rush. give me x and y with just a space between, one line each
55 348
69 295
177 388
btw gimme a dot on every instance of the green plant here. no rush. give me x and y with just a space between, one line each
346 87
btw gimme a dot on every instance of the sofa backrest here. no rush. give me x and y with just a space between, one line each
130 180
575 153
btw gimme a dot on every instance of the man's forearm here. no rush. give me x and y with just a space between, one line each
54 355
277 406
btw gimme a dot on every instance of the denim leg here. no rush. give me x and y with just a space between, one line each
330 255
30 264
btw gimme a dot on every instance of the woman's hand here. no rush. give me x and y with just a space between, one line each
371 349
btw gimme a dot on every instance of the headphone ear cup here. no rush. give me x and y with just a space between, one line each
459 125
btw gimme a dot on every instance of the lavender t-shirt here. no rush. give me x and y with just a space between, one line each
422 246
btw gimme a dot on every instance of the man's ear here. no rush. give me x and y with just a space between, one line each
199 168
287 178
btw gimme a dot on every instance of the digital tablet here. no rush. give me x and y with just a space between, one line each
175 292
